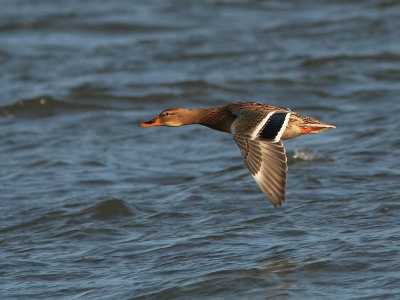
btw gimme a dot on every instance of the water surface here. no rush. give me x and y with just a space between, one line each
94 207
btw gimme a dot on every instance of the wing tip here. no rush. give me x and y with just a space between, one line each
277 204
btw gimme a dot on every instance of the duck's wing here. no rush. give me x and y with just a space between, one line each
267 163
258 137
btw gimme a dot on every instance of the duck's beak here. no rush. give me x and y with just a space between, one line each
155 122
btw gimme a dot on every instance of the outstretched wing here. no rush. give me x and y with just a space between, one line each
258 137
267 163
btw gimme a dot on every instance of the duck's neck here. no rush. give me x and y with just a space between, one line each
215 118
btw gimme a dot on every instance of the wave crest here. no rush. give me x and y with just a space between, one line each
306 155
43 106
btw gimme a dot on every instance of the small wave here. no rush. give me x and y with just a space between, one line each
112 208
305 155
43 106
324 60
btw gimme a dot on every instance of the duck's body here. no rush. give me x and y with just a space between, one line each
258 129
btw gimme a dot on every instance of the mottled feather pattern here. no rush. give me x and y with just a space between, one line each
258 130
253 119
264 157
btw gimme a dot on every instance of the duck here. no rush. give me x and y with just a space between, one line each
258 129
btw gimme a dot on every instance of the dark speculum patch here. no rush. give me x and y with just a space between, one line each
272 126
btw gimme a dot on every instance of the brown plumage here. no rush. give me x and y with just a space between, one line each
258 130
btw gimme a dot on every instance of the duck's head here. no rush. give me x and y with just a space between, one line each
170 117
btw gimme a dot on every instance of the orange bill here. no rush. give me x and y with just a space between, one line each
155 122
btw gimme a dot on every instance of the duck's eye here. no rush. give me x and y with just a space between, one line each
167 114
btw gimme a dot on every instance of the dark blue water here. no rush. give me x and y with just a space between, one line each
94 207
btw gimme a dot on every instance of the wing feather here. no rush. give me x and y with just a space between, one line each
265 158
267 163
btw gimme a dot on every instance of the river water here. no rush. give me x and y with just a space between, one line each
94 207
